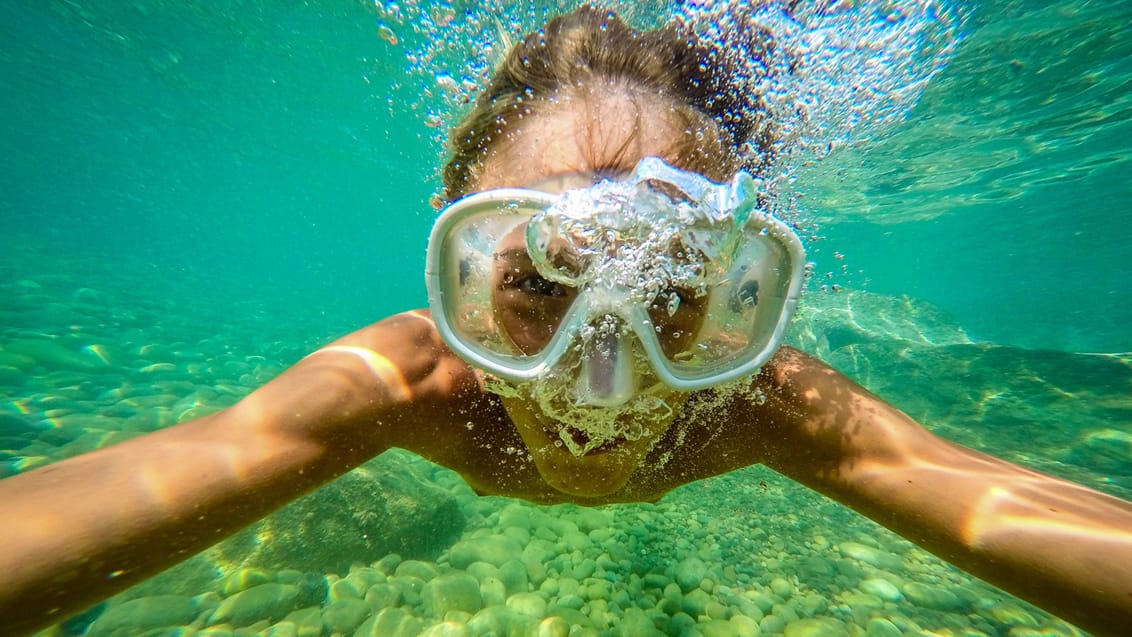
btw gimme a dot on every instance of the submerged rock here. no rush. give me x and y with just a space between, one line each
1104 450
827 323
882 589
52 355
390 622
345 615
307 622
389 505
689 573
933 597
456 591
137 615
19 427
869 555
816 627
242 580
272 601
492 549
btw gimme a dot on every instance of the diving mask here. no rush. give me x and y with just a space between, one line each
665 267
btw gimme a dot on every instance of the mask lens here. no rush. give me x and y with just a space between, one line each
704 281
740 313
488 287
528 307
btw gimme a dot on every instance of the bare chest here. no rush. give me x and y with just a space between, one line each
488 452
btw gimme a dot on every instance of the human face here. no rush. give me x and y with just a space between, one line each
567 144
529 308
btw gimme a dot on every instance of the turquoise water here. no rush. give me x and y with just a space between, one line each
193 197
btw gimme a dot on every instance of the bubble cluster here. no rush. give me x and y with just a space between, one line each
596 425
815 76
661 228
829 73
837 72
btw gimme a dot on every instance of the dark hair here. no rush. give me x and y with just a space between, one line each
590 44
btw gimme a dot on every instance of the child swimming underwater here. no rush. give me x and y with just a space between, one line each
600 272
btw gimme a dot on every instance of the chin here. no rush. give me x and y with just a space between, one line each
599 472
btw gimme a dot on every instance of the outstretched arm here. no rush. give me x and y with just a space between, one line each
80 530
1057 544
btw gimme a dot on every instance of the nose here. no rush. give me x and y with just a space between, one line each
607 377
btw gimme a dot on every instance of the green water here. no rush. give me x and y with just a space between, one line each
193 197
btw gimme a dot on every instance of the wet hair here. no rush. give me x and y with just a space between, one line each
576 53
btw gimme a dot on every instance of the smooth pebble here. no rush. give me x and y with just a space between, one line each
881 588
453 591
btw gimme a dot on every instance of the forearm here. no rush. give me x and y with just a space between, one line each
1063 547
1059 545
85 528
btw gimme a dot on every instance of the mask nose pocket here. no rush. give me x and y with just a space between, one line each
607 378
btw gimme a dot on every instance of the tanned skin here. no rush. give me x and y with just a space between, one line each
82 529
124 513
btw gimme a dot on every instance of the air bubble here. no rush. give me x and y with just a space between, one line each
387 34
447 82
673 304
839 73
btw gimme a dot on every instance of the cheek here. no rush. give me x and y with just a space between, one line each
677 330
529 322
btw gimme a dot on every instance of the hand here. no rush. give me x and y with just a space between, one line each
1056 544
395 371
135 508
406 354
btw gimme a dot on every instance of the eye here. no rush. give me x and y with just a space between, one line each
535 284
744 297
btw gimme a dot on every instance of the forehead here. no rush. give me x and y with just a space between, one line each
586 135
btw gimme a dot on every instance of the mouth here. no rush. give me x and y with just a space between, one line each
582 440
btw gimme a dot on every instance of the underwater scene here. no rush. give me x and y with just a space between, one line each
194 196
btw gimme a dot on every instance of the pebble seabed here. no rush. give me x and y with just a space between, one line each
704 561
749 553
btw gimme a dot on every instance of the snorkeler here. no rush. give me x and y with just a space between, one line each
607 297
